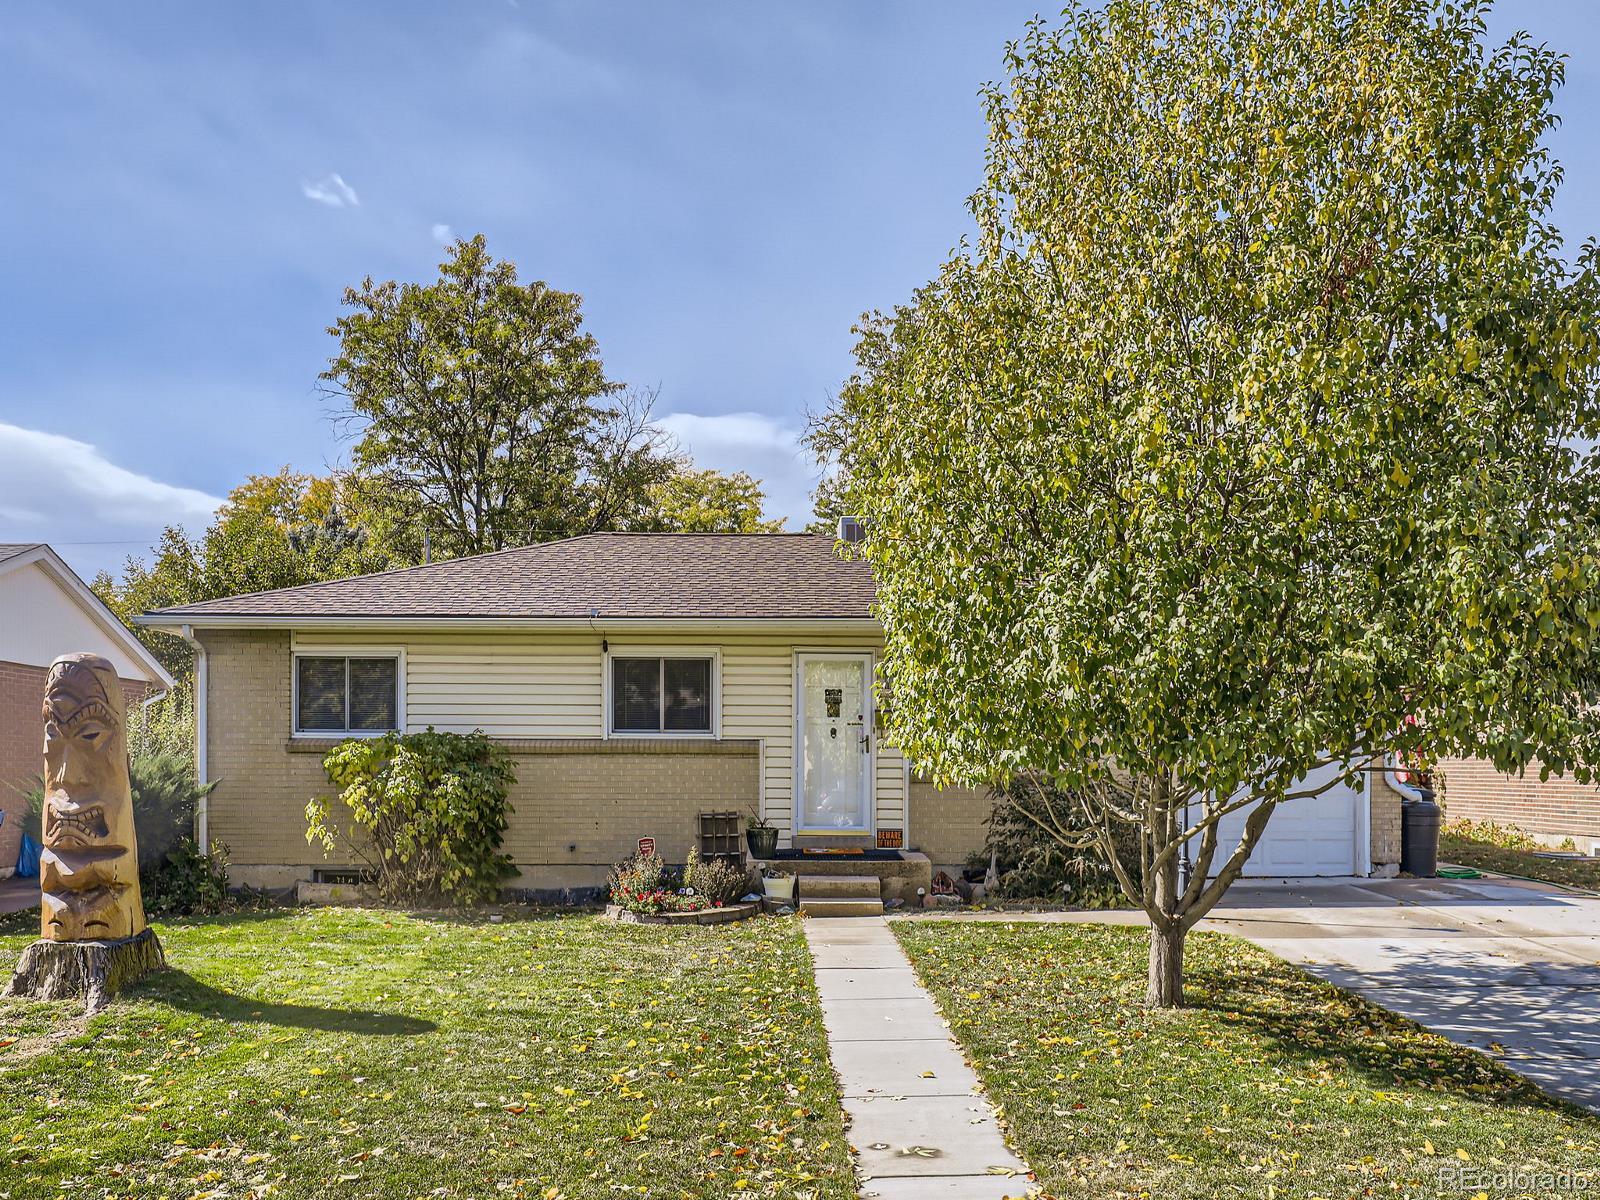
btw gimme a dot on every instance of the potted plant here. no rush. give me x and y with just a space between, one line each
761 835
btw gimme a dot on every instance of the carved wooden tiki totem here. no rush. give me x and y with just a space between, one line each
89 870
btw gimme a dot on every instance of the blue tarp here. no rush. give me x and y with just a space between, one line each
28 858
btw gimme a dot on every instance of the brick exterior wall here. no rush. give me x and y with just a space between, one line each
948 824
1385 825
579 804
1552 810
22 746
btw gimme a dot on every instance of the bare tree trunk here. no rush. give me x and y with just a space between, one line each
1167 929
1165 986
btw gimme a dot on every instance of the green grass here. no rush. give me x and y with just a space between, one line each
1271 1085
343 1052
1456 847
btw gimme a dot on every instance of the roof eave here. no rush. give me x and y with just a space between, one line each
176 622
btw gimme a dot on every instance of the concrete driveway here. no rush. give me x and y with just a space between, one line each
1508 967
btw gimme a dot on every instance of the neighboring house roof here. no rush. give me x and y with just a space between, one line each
605 576
16 556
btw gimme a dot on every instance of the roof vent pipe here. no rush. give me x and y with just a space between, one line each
852 529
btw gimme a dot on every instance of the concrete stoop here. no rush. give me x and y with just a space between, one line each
841 895
904 877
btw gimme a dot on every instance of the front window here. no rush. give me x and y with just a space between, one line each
346 695
661 695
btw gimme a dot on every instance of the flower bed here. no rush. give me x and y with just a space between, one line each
642 889
693 916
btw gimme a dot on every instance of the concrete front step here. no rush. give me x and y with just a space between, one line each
841 906
856 887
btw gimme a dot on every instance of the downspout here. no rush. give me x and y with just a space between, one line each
202 822
1391 776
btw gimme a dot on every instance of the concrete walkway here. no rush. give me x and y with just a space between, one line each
18 894
919 1124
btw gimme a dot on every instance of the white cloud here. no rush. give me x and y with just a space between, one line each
765 447
59 490
331 190
442 233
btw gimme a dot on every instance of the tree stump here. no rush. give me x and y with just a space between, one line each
92 971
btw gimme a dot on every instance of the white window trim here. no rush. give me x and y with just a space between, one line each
398 653
625 650
870 718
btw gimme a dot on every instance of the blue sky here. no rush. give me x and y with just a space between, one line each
187 188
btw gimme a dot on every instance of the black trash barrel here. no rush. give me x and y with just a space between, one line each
1419 836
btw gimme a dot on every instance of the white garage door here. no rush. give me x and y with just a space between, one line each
1318 835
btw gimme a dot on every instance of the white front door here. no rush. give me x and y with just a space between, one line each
833 694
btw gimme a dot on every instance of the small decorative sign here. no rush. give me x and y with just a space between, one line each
834 699
647 847
943 885
891 839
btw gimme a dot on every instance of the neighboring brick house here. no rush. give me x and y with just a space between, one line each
45 612
637 680
1553 810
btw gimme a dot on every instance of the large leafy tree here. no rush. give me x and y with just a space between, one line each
481 406
694 500
1247 441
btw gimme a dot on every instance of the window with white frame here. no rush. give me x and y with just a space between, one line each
654 694
340 694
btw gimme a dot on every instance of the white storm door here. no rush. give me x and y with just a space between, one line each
833 696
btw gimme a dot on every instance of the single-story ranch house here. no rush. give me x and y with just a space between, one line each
638 680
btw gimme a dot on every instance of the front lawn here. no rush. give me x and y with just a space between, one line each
1506 849
1272 1085
345 1052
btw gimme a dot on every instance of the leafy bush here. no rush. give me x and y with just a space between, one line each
1037 864
164 727
166 794
186 882
1507 837
715 880
431 812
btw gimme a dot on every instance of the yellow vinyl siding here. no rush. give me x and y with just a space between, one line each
508 685
537 685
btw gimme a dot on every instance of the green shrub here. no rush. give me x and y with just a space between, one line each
166 794
186 882
715 880
430 810
1507 837
1035 863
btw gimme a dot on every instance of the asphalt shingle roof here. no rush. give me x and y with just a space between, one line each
794 576
12 549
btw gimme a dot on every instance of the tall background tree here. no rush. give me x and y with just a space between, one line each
480 404
706 501
483 419
1254 423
